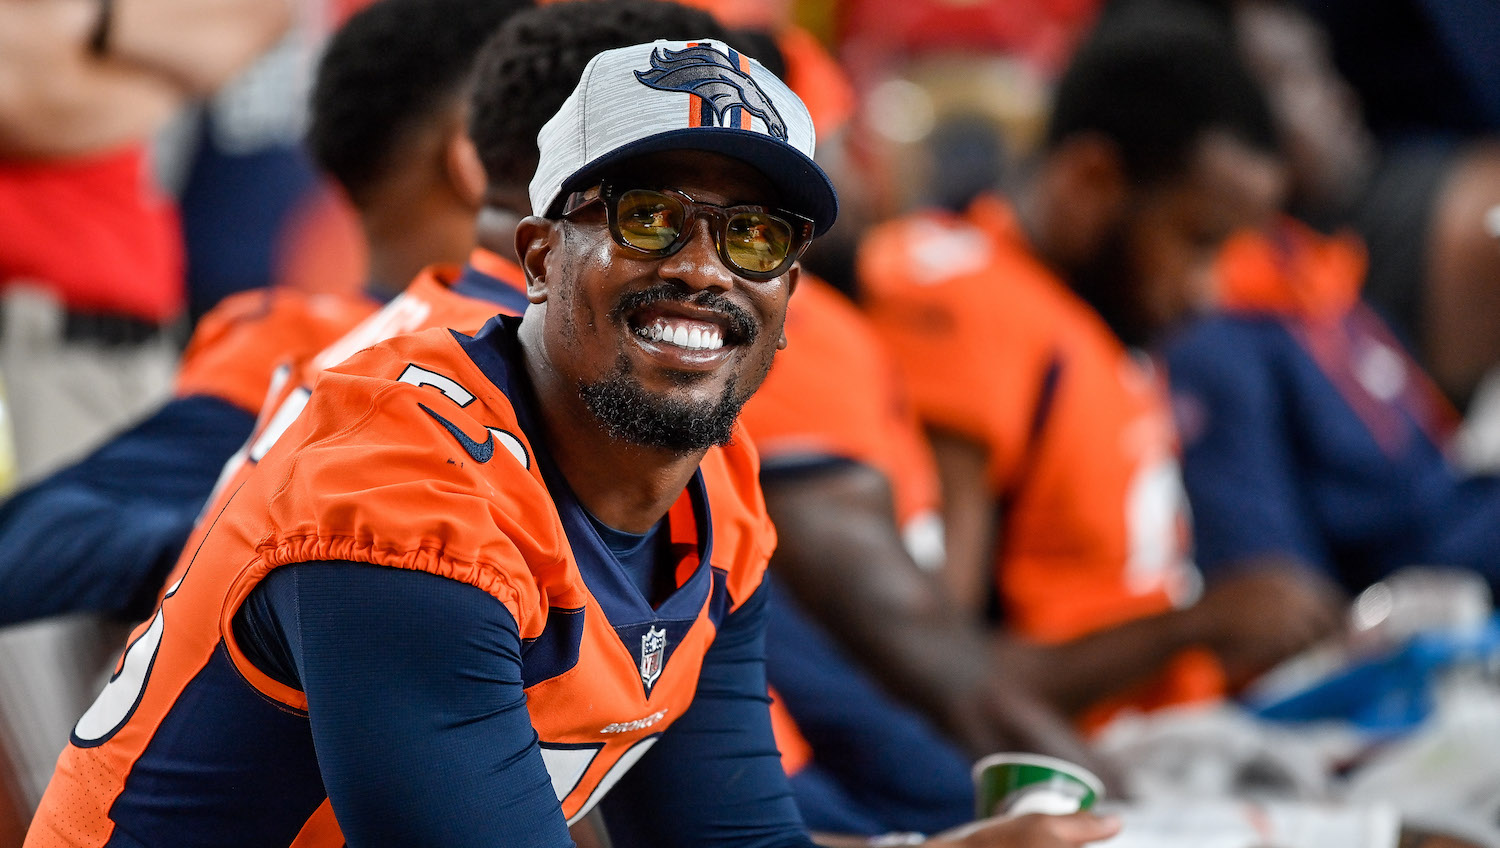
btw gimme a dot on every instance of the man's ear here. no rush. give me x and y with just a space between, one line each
465 170
535 238
793 274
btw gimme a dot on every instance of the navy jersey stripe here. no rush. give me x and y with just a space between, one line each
488 350
474 283
718 604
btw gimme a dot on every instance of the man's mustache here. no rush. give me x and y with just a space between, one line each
742 327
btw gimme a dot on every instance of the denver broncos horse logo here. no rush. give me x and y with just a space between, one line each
711 75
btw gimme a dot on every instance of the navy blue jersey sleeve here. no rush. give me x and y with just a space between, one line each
1238 460
714 779
100 535
415 699
896 770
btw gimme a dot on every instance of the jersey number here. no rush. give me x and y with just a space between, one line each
122 693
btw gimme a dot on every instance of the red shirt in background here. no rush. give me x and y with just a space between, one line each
95 231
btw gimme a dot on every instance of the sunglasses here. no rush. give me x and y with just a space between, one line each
756 242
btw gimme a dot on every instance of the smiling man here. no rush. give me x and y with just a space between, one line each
480 577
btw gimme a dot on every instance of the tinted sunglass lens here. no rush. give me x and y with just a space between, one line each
649 220
757 242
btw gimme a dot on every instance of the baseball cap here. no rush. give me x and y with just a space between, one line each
682 95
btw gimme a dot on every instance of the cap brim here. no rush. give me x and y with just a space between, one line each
803 186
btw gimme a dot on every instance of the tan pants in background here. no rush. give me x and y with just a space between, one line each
63 397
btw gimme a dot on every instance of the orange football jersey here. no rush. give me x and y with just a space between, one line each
238 344
495 287
374 470
1080 443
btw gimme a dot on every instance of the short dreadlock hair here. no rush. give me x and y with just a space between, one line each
389 71
534 62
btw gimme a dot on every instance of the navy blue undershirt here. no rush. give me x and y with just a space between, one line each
637 553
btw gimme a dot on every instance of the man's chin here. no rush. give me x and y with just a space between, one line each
631 413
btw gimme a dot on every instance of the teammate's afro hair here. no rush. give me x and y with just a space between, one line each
534 62
388 71
1153 78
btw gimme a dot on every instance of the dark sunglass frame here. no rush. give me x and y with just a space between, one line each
609 194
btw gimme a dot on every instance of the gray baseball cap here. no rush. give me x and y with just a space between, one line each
682 95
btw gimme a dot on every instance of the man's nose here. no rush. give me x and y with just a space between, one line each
697 264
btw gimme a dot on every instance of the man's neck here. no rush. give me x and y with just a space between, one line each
400 249
1046 232
627 486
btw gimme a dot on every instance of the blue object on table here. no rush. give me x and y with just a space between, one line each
1388 694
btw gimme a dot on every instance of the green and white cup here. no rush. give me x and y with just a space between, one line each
1016 784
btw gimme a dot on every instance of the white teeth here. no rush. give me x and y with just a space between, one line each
692 338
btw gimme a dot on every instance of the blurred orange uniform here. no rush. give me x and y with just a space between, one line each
834 393
238 344
1081 451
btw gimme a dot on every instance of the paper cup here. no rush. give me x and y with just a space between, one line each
1017 784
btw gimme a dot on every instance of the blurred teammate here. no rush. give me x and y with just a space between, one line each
851 487
561 402
1309 433
1017 329
1421 204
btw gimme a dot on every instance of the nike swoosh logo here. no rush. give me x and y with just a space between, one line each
479 451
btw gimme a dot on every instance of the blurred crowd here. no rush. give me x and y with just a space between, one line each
1142 408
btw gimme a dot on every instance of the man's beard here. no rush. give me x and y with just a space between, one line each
631 414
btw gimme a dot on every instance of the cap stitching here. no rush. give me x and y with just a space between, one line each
583 112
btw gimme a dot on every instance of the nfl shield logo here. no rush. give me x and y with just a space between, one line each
653 649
